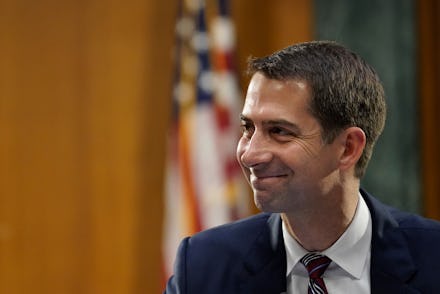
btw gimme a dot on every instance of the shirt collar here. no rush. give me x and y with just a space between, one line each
349 252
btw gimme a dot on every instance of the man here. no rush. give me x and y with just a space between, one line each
312 114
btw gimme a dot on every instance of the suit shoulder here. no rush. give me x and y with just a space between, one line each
421 233
402 220
232 240
410 221
214 260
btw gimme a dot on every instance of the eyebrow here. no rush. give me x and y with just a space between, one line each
277 122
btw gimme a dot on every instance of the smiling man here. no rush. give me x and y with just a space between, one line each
312 114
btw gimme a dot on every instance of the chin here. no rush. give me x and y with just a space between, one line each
265 204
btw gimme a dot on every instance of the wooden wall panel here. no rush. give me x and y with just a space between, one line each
429 79
263 27
84 105
39 164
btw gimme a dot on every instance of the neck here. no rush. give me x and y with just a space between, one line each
321 226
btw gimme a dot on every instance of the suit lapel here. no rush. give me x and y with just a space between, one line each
265 265
391 264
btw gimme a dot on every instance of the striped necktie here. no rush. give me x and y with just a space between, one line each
316 264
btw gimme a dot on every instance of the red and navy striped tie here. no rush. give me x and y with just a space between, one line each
316 264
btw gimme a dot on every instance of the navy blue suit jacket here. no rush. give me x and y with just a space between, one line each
248 256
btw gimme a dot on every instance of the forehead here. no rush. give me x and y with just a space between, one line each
276 98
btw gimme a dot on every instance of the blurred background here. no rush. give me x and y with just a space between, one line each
86 108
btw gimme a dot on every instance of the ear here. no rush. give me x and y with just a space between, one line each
353 140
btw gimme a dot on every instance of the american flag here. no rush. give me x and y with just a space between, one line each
204 186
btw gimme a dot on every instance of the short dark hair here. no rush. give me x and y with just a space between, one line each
346 91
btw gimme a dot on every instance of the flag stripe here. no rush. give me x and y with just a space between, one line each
203 182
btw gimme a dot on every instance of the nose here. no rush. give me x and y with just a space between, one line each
253 151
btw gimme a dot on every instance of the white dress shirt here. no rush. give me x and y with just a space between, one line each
349 271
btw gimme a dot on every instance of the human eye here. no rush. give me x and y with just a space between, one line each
282 134
280 131
247 128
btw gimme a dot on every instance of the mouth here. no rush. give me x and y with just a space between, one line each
257 175
265 181
267 176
